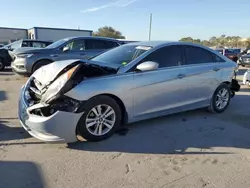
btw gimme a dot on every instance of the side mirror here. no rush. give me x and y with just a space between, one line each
65 49
147 66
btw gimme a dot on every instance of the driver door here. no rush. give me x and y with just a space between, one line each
76 50
162 89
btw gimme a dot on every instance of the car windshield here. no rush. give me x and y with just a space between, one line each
122 55
57 43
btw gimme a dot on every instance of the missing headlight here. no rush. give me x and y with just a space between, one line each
64 103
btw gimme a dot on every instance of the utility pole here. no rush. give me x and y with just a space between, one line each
150 25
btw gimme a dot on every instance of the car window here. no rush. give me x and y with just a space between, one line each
93 44
217 58
26 44
110 44
76 45
38 45
166 57
197 55
15 45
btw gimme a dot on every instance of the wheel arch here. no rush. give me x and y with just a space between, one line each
119 102
226 82
45 59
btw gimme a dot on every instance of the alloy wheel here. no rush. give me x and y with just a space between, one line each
222 98
100 120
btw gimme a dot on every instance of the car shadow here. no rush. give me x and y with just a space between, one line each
9 133
3 96
15 174
245 89
7 71
177 134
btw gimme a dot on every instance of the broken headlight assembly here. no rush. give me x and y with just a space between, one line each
60 86
63 103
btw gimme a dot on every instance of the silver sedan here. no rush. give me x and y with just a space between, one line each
133 82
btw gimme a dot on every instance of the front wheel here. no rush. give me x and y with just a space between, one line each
39 64
101 118
221 99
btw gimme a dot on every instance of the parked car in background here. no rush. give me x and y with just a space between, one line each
244 59
6 52
136 81
231 53
27 43
124 41
28 61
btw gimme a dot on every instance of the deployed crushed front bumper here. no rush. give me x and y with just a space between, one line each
59 127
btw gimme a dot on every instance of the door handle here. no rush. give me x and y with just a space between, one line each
180 76
216 69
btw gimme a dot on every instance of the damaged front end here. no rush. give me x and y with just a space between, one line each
45 91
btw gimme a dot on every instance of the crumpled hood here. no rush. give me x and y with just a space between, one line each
48 72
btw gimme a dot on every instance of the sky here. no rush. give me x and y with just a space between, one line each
172 19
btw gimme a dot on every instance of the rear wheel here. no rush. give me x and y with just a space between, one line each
100 120
2 65
39 64
221 99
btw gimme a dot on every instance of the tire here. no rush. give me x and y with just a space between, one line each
213 107
235 59
232 94
92 133
39 64
2 65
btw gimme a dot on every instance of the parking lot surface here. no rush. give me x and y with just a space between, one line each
192 149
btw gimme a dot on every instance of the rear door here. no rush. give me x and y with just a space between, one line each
97 46
202 72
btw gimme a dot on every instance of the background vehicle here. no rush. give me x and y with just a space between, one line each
28 61
6 52
231 53
244 59
129 83
27 43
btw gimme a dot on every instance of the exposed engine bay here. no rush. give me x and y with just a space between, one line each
45 98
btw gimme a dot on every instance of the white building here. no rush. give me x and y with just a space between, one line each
8 35
54 34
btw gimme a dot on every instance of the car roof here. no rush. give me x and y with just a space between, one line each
155 44
91 37
35 40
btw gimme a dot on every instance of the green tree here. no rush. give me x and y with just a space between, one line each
108 31
187 39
